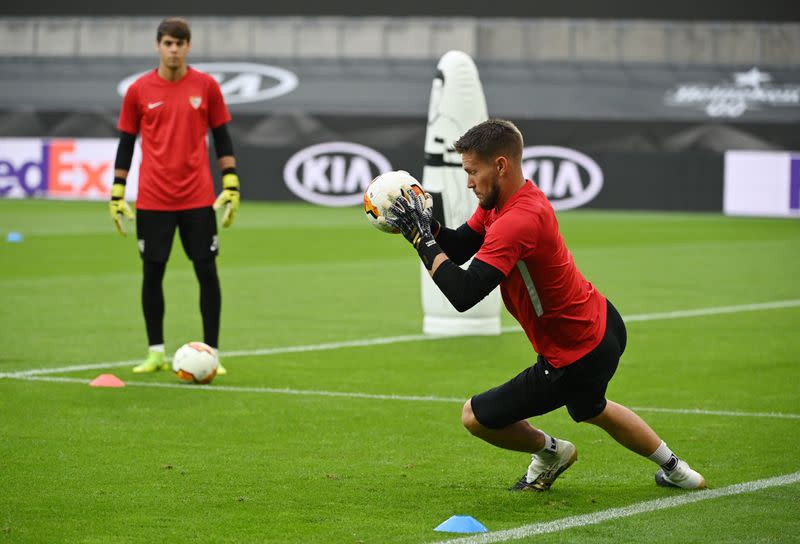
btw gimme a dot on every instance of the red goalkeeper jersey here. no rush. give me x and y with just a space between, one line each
173 118
562 313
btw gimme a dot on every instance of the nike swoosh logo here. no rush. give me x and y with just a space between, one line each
152 105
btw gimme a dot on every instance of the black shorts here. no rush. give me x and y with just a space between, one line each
156 229
542 388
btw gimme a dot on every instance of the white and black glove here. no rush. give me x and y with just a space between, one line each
410 215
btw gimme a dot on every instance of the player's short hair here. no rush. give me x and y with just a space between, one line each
175 27
492 138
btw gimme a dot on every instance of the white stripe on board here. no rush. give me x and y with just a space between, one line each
378 396
594 518
410 338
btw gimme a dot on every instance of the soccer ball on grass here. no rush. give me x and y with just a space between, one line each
382 194
195 362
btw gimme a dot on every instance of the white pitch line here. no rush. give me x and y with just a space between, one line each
410 338
594 518
697 411
238 353
377 396
249 389
71 368
715 310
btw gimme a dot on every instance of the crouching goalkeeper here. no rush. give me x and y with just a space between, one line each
577 333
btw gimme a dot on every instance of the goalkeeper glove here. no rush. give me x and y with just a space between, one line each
118 207
413 218
229 197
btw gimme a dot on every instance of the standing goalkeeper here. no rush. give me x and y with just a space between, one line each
576 331
172 107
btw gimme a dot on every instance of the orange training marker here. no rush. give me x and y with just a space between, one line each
107 380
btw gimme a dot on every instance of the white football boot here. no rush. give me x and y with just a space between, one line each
681 476
545 467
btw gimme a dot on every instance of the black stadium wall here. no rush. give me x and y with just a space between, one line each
596 136
329 160
741 10
669 181
643 166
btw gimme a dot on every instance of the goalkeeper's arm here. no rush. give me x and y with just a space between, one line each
122 163
223 145
460 244
465 288
229 197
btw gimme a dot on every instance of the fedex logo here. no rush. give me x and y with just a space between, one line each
23 168
58 168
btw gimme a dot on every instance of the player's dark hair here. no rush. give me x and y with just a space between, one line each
175 27
492 138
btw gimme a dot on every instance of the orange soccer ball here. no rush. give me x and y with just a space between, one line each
382 194
195 362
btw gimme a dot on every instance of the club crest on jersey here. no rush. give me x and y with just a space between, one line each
195 101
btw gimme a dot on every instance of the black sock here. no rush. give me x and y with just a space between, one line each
210 299
153 301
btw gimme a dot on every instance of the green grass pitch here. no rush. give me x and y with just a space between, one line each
264 455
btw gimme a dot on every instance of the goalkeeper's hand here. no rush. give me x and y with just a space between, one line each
119 208
413 217
229 198
409 215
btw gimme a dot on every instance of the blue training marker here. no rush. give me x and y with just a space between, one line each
461 524
14 237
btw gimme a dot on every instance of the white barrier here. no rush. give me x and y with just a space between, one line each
62 168
762 183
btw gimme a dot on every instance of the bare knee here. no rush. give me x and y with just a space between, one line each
600 420
468 418
615 415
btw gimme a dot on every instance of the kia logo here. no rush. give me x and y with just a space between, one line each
567 177
333 173
239 82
